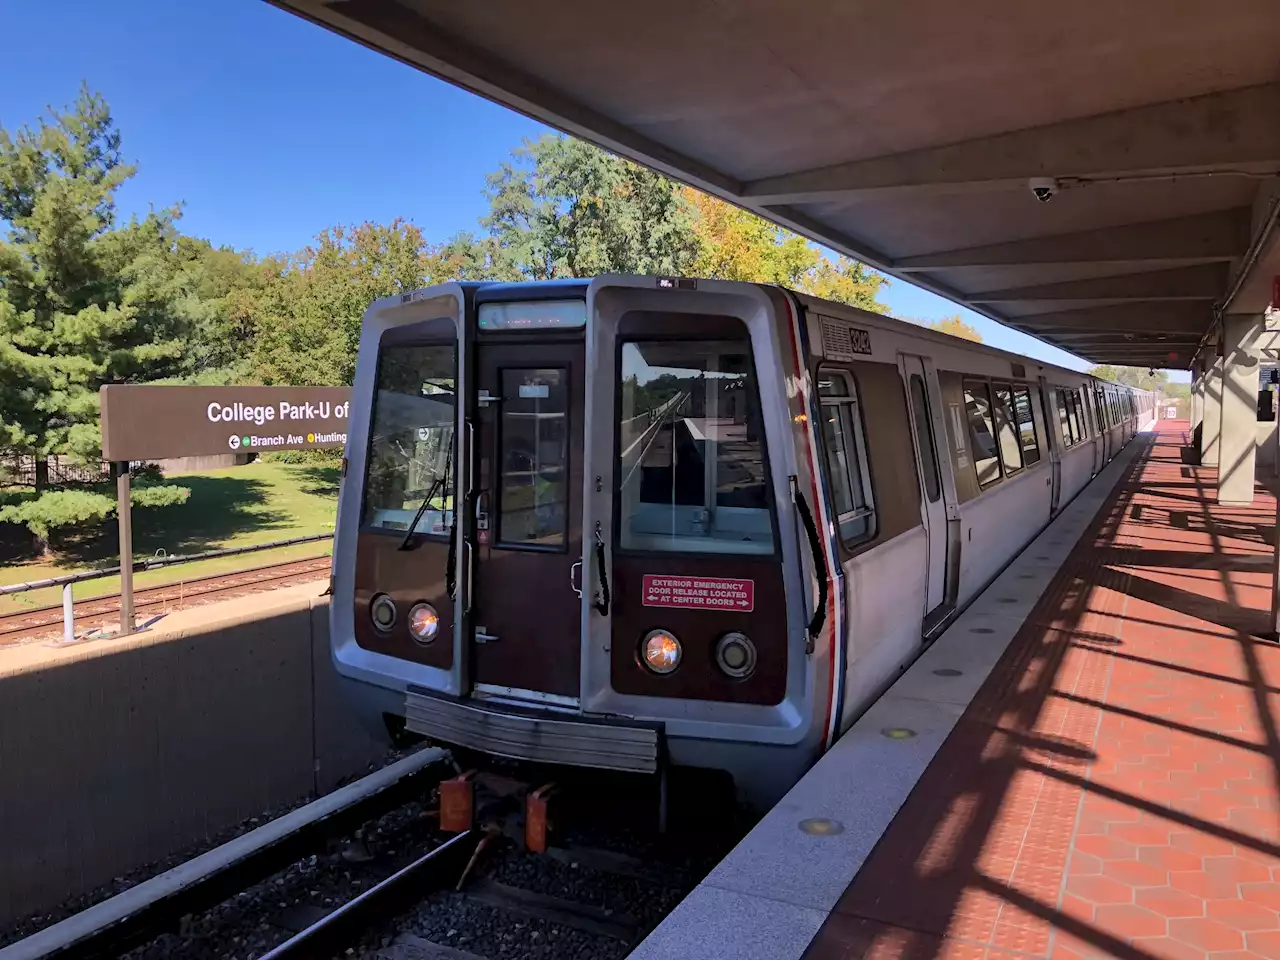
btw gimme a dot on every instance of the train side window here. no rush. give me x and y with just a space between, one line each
924 439
692 473
1077 419
982 432
1026 419
1082 403
846 452
1006 430
1064 418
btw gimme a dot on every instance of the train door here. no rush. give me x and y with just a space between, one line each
923 401
1096 439
1100 408
525 608
1048 409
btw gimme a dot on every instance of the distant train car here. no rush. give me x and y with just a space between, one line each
642 521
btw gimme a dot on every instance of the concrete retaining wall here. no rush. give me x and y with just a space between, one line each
116 753
215 461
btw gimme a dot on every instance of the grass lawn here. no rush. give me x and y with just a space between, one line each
233 507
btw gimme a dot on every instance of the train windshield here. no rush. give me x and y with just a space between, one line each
691 454
411 447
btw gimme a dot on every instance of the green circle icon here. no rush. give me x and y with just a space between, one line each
244 441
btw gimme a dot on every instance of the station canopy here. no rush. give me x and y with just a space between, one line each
910 135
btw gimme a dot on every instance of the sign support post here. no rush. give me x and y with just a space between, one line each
123 510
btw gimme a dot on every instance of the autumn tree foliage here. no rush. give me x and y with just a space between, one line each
956 327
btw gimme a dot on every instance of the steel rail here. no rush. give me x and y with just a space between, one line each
156 906
435 869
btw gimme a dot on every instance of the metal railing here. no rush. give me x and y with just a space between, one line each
146 563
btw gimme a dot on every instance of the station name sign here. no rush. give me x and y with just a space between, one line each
141 422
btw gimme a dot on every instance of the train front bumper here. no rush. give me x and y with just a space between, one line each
543 737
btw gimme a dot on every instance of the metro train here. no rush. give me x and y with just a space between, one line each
639 522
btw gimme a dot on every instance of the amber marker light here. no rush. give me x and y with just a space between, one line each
424 622
660 651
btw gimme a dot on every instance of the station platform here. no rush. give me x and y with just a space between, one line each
1086 764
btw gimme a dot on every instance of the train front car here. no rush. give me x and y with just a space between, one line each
625 581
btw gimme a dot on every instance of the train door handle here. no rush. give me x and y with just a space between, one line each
574 573
482 637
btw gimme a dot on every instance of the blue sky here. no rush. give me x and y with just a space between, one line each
269 129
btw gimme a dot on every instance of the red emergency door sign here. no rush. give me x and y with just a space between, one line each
699 593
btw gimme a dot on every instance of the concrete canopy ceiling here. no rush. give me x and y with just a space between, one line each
906 135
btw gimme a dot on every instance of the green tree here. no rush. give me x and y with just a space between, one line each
1106 372
564 208
217 290
470 257
309 310
82 299
1142 378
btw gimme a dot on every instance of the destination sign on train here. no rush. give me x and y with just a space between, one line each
142 422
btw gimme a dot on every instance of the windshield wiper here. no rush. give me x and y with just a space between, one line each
407 543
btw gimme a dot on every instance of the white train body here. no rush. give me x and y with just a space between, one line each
655 445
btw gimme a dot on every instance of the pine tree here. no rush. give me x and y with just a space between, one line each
81 297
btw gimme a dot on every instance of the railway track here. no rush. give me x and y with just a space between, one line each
42 622
379 880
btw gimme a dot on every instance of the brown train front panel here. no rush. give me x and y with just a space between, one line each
698 677
408 577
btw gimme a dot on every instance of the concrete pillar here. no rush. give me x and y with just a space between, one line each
1211 408
1197 394
1238 441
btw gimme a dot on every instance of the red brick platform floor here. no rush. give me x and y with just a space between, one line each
1113 789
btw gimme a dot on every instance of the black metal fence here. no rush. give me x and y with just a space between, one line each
20 470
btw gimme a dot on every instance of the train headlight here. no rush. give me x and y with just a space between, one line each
736 655
660 651
424 622
383 612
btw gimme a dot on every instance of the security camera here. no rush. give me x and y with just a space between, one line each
1043 188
